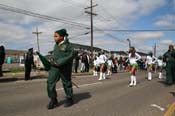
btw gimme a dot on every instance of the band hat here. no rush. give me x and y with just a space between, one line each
62 32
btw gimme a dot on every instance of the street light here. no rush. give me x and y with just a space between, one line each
79 35
37 34
129 42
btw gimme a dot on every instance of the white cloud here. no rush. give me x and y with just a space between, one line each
166 21
167 42
148 6
12 32
126 11
144 36
163 23
118 14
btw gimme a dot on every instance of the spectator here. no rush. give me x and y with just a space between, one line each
2 58
77 58
29 62
87 63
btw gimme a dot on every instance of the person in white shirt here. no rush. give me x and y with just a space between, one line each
150 60
133 57
96 66
110 66
160 66
103 67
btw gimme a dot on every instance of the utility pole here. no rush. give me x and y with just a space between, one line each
155 50
129 42
37 35
91 17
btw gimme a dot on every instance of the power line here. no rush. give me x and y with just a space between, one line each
29 13
137 30
73 37
114 37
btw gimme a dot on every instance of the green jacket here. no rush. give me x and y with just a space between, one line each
63 53
170 56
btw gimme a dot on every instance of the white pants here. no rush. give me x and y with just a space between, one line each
133 80
102 76
149 76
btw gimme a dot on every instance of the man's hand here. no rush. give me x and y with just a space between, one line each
34 67
35 51
53 63
167 59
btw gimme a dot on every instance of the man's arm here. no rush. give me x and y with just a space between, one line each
69 56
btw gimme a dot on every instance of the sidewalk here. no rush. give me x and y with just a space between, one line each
8 77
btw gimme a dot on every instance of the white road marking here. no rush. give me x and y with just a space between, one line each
84 85
30 81
158 107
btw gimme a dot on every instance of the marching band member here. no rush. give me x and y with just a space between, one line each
150 60
102 61
160 66
133 57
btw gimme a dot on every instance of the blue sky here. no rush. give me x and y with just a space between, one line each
16 29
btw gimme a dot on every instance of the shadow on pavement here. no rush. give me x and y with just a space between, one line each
81 96
164 83
173 93
12 79
78 97
3 80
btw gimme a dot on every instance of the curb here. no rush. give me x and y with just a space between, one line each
11 79
20 76
171 110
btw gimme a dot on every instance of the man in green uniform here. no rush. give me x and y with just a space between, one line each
61 67
169 58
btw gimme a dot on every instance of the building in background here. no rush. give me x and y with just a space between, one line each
14 59
14 55
17 57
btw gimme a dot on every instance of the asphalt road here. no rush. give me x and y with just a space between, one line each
111 97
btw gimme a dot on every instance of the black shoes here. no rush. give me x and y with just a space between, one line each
69 102
1 75
53 103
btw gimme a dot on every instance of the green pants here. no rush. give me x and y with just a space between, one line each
54 77
170 73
